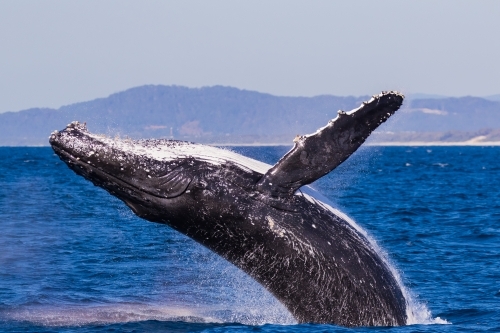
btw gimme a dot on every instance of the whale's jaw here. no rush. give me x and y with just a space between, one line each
145 184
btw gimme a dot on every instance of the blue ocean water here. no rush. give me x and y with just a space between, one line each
75 259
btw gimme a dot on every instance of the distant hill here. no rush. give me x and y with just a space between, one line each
445 120
495 98
229 115
212 114
449 114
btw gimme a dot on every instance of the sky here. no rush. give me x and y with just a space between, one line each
58 52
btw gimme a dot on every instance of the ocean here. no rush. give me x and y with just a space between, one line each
75 259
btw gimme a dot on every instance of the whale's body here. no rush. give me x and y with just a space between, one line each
310 256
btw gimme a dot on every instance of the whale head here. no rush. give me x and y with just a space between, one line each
153 177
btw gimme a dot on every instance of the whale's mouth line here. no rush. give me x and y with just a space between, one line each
79 162
123 183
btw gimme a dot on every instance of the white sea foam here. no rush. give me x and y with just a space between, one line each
107 314
126 312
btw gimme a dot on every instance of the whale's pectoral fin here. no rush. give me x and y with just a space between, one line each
315 155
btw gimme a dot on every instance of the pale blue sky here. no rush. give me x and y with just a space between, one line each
54 53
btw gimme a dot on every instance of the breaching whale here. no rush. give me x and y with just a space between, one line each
310 256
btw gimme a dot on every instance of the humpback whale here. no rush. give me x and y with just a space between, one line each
263 219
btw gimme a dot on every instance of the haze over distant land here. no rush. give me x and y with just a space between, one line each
225 115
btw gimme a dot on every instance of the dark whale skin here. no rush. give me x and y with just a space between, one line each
307 254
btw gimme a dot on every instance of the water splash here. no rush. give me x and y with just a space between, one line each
105 314
125 313
416 312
